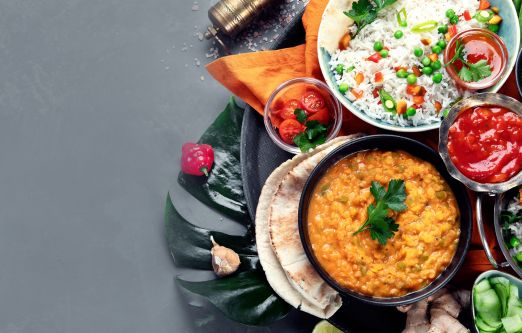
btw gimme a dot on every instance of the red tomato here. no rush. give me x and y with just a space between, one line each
322 116
376 57
289 130
312 101
467 15
287 112
379 77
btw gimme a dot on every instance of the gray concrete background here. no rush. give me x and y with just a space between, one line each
96 98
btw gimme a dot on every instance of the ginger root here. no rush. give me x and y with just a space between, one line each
444 308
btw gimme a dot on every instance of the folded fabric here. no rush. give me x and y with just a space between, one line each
253 77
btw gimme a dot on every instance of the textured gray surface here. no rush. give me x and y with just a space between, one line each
96 98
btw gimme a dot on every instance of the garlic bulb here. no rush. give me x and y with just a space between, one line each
224 260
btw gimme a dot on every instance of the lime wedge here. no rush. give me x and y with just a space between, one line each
325 327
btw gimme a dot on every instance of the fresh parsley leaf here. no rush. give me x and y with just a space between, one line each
364 12
313 136
381 226
301 115
469 72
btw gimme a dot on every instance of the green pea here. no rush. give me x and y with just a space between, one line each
442 44
385 53
518 257
514 242
412 79
437 77
426 61
398 34
418 52
450 13
339 69
443 29
436 65
436 49
410 112
454 20
494 27
378 46
343 88
402 74
427 70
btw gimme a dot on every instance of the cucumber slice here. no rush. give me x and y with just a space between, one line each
501 286
482 286
512 324
483 327
488 307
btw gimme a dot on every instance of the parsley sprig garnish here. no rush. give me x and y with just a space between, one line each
381 226
469 72
314 134
365 12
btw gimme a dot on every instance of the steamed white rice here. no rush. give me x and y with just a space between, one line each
401 55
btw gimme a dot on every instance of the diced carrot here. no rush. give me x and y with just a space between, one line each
452 31
345 41
484 4
438 106
378 77
415 90
376 57
416 71
359 78
426 41
398 68
433 57
419 100
358 94
401 107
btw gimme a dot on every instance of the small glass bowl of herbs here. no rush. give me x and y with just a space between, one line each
302 114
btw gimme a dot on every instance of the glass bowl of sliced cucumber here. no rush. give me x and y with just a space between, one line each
496 303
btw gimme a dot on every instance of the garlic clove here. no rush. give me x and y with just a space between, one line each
224 260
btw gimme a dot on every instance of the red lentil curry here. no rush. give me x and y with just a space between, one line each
422 248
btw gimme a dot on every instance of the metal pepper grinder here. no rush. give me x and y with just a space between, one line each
229 17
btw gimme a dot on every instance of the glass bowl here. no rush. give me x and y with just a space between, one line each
484 35
473 101
294 89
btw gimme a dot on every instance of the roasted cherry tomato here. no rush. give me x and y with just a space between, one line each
322 116
312 101
288 110
289 129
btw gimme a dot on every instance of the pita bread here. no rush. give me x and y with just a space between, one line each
334 24
275 274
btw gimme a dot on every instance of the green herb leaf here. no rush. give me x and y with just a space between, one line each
223 189
313 136
381 226
190 245
365 12
301 115
465 74
481 69
396 195
245 297
470 72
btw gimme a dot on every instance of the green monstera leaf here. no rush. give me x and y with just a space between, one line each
245 297
223 189
190 245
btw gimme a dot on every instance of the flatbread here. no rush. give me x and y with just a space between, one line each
334 24
275 274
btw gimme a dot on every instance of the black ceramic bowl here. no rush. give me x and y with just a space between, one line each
518 72
387 143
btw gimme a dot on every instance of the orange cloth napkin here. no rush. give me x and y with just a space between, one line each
253 77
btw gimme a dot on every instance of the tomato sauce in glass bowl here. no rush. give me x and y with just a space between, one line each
476 45
485 143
